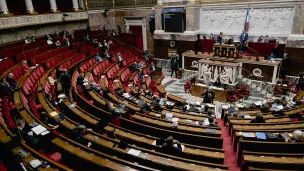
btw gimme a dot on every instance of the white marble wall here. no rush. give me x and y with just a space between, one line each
263 21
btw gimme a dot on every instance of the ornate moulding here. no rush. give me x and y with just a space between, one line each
28 20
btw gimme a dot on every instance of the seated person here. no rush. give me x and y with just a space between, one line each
4 88
145 106
87 39
119 57
171 144
271 57
18 163
193 107
217 83
156 104
10 80
80 80
46 121
96 87
258 118
95 43
80 131
98 58
25 67
27 40
57 44
210 114
260 39
211 121
114 113
135 67
119 92
25 132
52 101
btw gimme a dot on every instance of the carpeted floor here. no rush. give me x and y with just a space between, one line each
230 156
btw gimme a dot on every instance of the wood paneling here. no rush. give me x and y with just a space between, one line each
161 47
295 64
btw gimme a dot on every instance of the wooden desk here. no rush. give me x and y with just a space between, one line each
224 50
220 95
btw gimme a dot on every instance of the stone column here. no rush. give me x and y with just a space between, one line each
75 5
192 17
29 7
193 2
298 20
158 18
53 6
160 2
4 9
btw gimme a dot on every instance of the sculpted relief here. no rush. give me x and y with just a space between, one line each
261 20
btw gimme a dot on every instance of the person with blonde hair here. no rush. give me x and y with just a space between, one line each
25 67
258 118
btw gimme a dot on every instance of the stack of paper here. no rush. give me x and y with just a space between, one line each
210 130
206 122
35 163
188 120
134 152
38 129
72 106
247 117
54 113
169 116
258 103
158 115
61 96
175 119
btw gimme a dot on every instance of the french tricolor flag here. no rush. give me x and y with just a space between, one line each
246 25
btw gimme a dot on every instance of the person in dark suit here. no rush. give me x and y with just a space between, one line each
105 29
211 122
174 66
80 80
170 144
193 108
118 29
111 109
18 163
220 38
80 131
217 83
208 96
10 80
65 33
156 104
4 88
87 39
243 41
65 80
258 118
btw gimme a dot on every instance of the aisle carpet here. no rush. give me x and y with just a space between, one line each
230 156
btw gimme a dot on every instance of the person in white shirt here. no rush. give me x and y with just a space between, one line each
119 57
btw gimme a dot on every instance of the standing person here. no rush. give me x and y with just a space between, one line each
174 66
243 41
87 39
65 33
65 80
105 29
208 96
118 29
119 58
220 38
27 40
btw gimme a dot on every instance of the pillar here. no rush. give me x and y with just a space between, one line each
4 9
29 7
160 2
53 6
75 5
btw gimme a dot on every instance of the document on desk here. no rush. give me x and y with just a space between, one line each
54 113
175 119
209 130
248 134
247 117
35 163
134 152
39 129
261 135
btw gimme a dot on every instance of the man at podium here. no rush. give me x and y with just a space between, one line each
220 38
243 41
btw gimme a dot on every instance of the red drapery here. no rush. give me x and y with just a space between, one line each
136 29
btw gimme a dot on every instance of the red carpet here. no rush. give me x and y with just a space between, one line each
230 156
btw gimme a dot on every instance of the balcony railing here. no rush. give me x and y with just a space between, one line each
100 4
